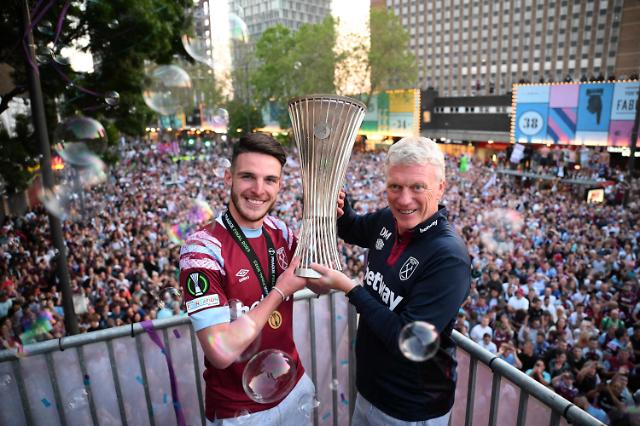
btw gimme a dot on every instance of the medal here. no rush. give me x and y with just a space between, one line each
275 320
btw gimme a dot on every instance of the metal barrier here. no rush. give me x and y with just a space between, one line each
514 399
73 380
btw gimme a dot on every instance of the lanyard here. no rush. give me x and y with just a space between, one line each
240 238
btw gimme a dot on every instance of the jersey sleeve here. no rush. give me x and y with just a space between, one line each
201 278
354 228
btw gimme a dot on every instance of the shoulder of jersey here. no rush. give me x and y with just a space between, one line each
202 250
276 224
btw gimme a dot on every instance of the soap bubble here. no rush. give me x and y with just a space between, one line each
60 58
198 41
307 403
269 376
334 384
112 98
81 170
242 417
190 215
80 129
238 30
419 341
45 28
77 399
6 380
236 311
499 229
166 89
222 164
168 297
243 329
113 24
221 116
44 55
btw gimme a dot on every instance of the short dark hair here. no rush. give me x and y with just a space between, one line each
262 143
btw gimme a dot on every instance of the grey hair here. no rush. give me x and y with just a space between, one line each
416 151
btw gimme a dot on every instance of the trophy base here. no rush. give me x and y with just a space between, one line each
307 273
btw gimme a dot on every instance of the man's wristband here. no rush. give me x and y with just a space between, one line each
281 293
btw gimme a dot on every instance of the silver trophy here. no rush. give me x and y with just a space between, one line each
325 128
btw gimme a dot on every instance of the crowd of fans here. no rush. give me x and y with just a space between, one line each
555 279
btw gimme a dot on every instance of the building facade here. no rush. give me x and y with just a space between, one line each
466 48
262 14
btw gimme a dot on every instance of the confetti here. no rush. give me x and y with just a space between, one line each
176 333
87 381
140 380
326 416
344 362
46 402
165 398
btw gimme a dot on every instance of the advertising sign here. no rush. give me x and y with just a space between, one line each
575 113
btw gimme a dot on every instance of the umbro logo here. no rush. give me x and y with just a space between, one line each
243 274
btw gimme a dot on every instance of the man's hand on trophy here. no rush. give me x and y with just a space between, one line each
340 204
316 288
332 279
288 282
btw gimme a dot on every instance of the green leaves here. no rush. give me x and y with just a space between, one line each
294 64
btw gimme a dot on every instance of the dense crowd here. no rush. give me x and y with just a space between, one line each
555 280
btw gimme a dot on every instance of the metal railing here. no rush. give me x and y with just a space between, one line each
514 399
73 380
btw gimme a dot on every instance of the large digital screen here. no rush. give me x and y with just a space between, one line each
575 113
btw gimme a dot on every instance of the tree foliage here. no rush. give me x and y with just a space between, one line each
390 64
122 36
294 64
243 116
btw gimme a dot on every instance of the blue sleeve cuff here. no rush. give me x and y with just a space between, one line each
209 317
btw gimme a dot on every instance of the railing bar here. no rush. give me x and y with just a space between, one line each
314 370
26 405
56 389
334 361
353 325
87 385
522 408
116 382
555 418
471 391
167 348
145 384
495 399
196 369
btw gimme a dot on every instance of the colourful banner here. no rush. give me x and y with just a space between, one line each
575 113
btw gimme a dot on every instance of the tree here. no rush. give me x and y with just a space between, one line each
17 155
242 116
122 35
390 64
292 64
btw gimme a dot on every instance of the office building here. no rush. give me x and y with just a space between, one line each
466 48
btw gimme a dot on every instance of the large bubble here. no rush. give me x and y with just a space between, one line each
499 229
79 170
419 341
167 89
189 216
269 376
197 42
222 164
77 399
85 130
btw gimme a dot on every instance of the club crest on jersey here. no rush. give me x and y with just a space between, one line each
243 274
408 268
197 284
379 244
282 258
